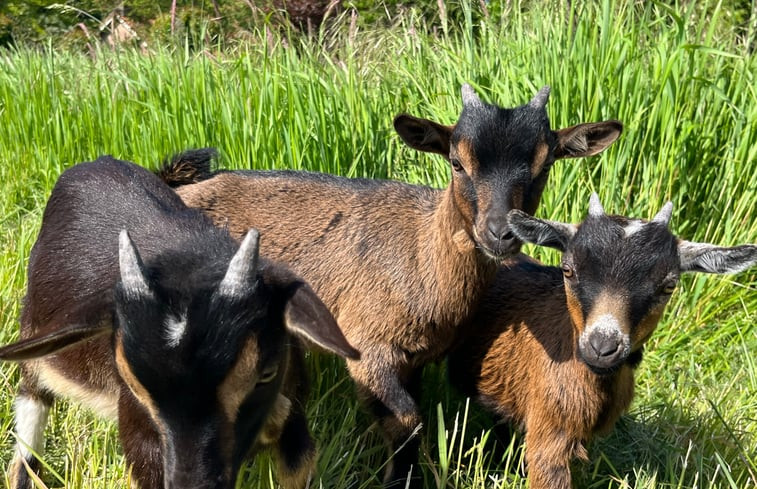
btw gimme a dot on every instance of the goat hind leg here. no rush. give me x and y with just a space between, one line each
32 407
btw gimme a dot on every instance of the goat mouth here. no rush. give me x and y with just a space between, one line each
500 251
600 368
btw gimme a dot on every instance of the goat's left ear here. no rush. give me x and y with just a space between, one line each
39 346
540 232
307 316
586 139
708 258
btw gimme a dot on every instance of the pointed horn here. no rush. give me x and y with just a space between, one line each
663 217
133 278
540 99
242 267
595 206
470 98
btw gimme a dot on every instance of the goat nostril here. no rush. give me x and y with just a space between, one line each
603 346
499 232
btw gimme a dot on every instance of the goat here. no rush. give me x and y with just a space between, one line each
171 327
553 349
400 265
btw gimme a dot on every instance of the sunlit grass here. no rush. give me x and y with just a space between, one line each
688 98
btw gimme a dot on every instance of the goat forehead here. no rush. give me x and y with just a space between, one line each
608 259
498 135
202 358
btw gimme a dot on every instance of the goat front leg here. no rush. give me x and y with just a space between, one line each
385 392
32 407
548 454
141 443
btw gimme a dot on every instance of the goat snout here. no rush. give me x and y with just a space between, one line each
603 346
498 240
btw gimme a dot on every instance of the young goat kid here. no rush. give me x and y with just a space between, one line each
401 265
553 349
171 327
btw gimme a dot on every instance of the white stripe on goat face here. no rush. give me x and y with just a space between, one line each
175 329
633 226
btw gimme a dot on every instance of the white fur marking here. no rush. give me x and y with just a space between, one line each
633 227
175 329
31 419
606 324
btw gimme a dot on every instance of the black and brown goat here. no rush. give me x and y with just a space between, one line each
182 334
400 266
553 350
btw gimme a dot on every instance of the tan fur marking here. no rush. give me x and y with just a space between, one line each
574 309
467 155
274 423
135 386
610 303
103 402
239 381
540 157
297 479
647 326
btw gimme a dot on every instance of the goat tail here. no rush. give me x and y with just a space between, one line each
187 167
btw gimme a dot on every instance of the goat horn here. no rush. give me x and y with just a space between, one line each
663 217
130 265
595 206
540 99
242 266
470 98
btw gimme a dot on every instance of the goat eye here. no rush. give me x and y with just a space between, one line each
669 287
567 271
456 164
268 375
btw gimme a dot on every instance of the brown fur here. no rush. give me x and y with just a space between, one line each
520 359
399 266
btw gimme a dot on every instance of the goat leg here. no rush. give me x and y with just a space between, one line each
32 407
548 454
386 395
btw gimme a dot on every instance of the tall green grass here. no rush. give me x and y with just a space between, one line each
681 83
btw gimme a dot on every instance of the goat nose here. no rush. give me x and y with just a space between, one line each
499 230
603 345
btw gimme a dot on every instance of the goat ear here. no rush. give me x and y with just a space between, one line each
708 258
130 264
540 232
586 139
307 316
242 268
423 134
39 346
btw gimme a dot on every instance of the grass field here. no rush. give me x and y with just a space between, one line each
680 79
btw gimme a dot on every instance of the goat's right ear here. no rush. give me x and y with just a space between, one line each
307 316
540 232
39 346
423 134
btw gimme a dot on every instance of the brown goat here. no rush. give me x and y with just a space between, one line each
553 350
400 266
193 350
